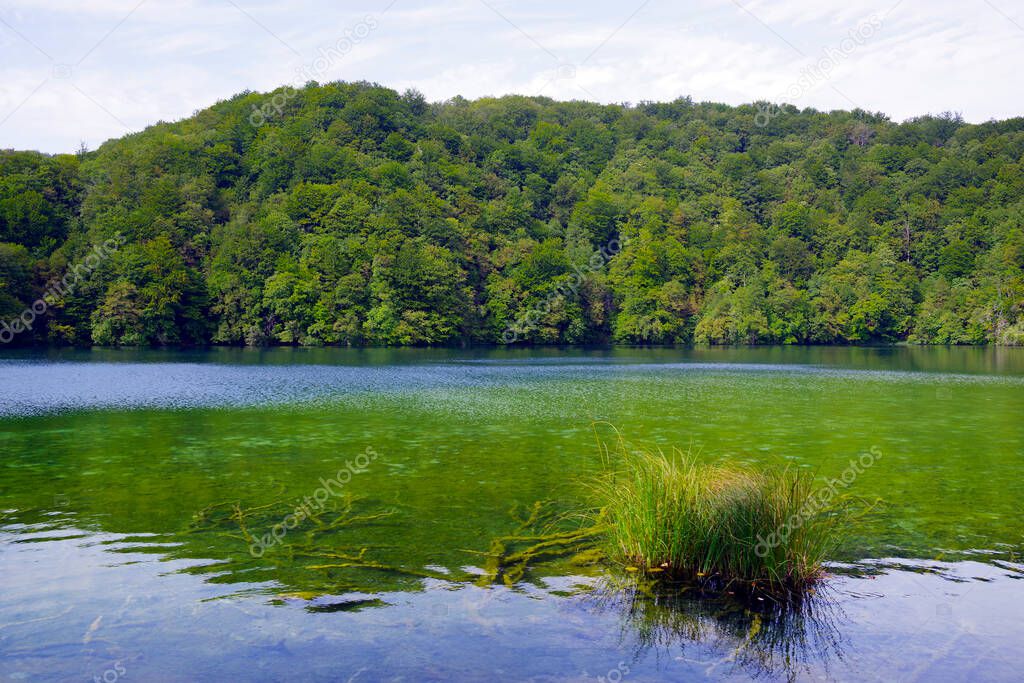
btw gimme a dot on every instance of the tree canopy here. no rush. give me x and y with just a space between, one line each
359 215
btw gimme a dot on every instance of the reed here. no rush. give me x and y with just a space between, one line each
735 527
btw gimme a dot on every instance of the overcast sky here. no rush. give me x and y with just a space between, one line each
89 70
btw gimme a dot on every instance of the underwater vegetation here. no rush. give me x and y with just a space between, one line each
762 533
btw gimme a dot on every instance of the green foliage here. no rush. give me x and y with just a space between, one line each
720 525
865 297
418 295
38 198
15 280
352 214
154 298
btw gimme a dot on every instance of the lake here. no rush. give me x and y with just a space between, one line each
327 514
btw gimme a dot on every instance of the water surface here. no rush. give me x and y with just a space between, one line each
133 483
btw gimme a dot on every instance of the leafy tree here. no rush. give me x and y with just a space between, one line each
348 213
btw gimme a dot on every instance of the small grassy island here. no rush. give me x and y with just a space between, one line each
753 532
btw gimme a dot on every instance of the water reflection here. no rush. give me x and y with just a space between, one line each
956 359
79 601
719 635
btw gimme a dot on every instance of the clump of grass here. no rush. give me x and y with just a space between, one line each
722 526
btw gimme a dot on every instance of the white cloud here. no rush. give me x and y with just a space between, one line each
169 58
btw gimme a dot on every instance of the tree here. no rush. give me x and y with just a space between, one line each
348 213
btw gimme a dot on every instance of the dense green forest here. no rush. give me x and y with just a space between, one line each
352 214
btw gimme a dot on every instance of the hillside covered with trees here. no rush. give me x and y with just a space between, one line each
352 214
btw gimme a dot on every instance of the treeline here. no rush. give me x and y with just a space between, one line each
352 214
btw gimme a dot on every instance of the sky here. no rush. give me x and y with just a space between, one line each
74 71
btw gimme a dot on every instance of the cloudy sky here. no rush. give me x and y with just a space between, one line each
88 70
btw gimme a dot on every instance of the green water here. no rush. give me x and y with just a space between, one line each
121 472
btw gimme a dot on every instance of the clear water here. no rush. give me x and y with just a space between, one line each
123 556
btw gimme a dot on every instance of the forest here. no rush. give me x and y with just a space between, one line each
351 214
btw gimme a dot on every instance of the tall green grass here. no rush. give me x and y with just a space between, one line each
720 525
